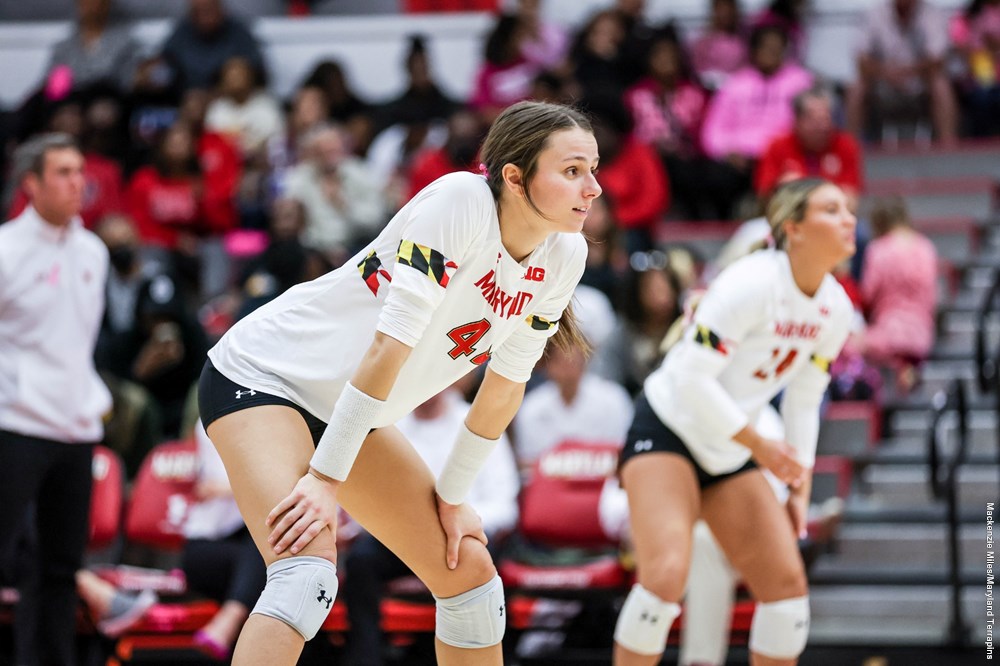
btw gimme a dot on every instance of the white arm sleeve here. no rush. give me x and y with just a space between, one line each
801 400
733 305
443 223
517 356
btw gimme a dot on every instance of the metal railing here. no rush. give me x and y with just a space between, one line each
944 485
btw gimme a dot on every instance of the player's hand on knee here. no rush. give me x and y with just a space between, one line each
297 519
798 512
779 457
458 521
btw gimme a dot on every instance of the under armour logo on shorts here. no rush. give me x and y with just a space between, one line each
250 392
643 445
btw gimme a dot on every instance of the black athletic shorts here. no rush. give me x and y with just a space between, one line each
218 396
648 434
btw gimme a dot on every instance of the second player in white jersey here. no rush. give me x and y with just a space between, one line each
772 321
754 334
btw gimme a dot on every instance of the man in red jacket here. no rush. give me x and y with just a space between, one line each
814 147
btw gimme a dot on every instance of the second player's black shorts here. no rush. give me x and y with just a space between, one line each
648 434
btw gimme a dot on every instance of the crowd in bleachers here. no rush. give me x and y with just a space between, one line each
213 195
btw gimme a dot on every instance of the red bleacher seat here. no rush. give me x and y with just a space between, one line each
560 517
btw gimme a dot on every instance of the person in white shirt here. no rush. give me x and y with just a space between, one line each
473 269
52 276
572 405
771 322
369 565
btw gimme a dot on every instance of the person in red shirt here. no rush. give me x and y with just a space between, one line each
465 133
632 174
815 147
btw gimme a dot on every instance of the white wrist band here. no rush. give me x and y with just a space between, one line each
350 423
467 457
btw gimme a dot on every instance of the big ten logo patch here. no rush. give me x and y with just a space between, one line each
535 274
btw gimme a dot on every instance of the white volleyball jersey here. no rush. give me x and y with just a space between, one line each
437 279
754 333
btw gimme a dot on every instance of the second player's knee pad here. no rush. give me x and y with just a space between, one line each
299 592
780 628
645 621
473 619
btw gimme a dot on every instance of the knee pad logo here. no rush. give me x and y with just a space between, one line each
321 597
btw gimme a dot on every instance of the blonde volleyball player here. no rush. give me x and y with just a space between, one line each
300 397
773 320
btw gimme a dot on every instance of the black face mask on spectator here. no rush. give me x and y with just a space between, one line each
122 258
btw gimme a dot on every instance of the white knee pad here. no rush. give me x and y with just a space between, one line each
645 621
473 619
299 592
780 628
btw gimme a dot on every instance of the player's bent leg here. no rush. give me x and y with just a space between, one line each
390 492
663 499
756 534
266 450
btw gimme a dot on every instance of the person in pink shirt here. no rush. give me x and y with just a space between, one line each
722 48
668 107
898 293
755 104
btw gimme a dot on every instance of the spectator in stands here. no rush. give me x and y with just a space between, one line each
572 404
52 274
103 186
219 162
650 302
898 292
346 107
164 349
545 43
668 107
343 203
815 147
639 203
788 16
204 40
637 34
219 558
505 76
243 109
422 102
369 565
754 105
285 261
900 54
97 51
598 56
166 201
459 153
722 49
975 34
135 426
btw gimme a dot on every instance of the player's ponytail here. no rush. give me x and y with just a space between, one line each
569 335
